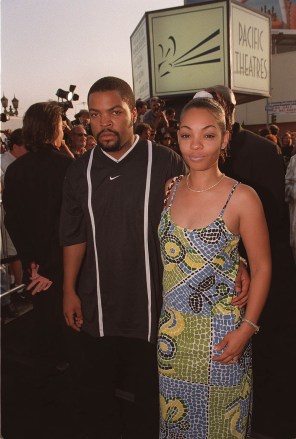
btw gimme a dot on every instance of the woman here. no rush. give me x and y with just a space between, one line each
204 348
287 147
167 140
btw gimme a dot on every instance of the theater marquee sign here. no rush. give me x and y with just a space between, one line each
180 50
250 51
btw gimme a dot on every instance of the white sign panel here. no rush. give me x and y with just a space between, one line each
188 48
140 62
285 107
250 50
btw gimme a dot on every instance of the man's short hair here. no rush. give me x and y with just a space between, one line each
40 124
226 92
141 127
274 129
16 138
80 113
111 83
263 132
74 128
140 104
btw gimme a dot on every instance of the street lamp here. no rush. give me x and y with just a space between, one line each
13 110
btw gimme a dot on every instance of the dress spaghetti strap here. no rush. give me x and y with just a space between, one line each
229 196
175 182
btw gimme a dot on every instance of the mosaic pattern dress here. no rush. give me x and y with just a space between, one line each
200 398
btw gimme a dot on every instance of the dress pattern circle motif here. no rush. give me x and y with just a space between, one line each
200 398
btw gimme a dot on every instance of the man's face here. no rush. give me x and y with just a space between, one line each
78 138
171 116
111 121
145 135
90 142
155 106
142 110
84 119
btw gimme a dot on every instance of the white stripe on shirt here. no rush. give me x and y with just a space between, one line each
146 225
91 214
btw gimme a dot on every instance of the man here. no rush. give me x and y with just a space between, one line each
156 117
274 129
173 124
82 118
90 142
254 160
113 198
141 107
32 201
16 149
143 130
77 140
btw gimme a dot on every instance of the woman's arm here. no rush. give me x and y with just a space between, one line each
254 233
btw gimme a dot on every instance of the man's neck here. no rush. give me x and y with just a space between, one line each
118 155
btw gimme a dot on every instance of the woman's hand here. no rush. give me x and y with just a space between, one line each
233 345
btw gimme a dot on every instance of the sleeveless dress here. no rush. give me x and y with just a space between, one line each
200 398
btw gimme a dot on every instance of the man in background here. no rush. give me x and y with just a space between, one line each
82 118
77 140
16 149
254 160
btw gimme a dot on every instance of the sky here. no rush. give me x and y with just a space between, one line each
50 44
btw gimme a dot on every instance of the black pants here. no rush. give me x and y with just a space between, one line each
49 324
119 388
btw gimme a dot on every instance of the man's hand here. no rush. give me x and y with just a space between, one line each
242 284
39 283
72 311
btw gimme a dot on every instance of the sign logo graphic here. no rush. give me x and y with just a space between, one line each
189 58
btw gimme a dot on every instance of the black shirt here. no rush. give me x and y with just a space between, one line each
32 201
120 280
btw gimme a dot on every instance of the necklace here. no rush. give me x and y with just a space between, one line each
203 190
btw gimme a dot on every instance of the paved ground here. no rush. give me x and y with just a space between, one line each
38 402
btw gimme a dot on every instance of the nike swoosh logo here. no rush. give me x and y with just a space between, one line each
113 178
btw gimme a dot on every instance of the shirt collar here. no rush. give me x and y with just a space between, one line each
124 155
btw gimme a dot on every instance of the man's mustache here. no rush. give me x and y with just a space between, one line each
107 130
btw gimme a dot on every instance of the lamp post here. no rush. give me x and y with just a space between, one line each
13 110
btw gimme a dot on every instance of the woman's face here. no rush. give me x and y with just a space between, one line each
167 139
201 138
60 133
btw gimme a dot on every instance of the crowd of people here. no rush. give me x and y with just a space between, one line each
159 294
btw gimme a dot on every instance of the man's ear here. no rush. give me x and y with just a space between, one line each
134 114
